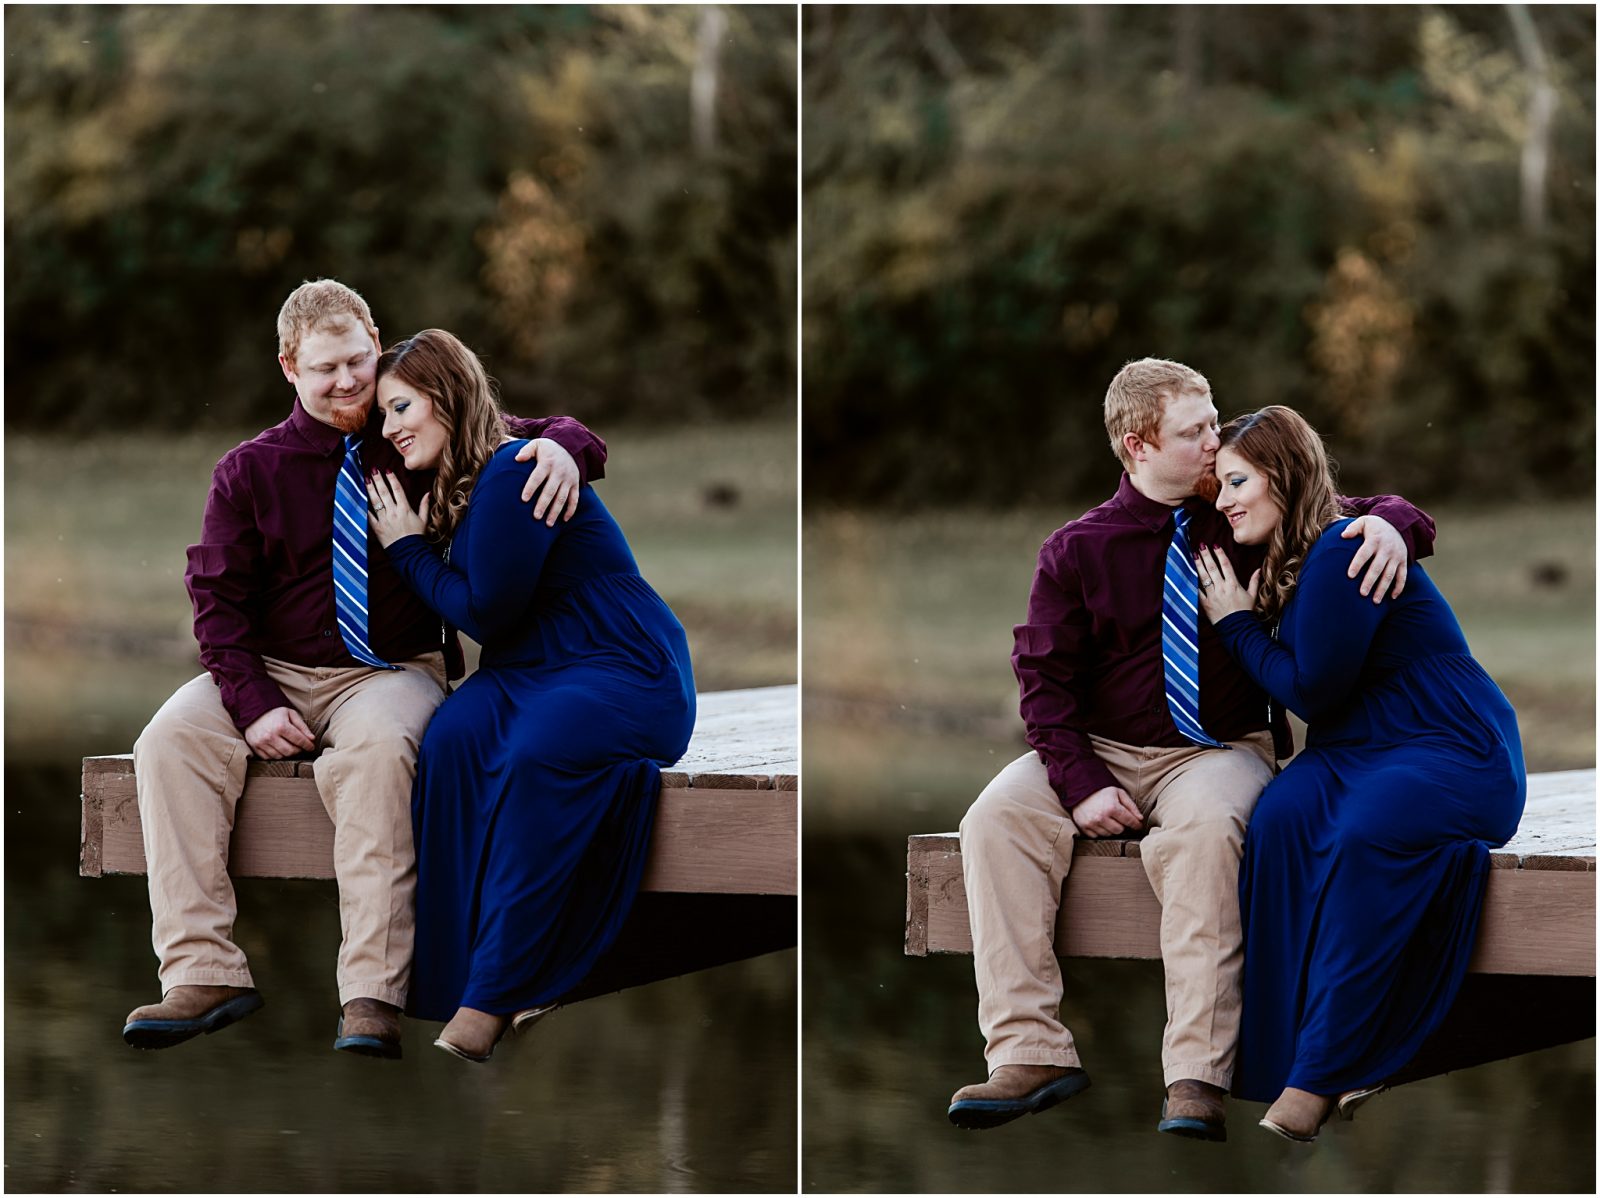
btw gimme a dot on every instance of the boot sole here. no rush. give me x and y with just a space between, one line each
1355 1100
980 1114
462 1053
366 1046
1194 1129
164 1033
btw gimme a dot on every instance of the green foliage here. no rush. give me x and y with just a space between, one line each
1314 206
524 176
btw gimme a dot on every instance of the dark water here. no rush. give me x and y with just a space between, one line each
887 1039
686 1085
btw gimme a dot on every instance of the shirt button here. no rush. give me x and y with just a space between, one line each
327 632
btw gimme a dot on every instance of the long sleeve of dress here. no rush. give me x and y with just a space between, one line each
1337 626
486 595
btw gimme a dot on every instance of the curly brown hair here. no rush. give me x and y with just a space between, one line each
1299 474
438 365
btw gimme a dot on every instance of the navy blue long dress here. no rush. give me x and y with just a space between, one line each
1365 860
537 780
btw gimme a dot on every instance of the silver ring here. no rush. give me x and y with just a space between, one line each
1204 586
379 508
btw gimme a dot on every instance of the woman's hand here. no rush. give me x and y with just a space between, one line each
388 515
1220 592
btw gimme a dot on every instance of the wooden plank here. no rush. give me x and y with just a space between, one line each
1557 822
726 825
1537 922
1539 910
711 842
1534 921
750 731
706 841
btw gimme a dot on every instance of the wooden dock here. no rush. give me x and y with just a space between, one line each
727 821
720 885
1538 915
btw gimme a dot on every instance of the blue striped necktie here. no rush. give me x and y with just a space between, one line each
1180 635
350 556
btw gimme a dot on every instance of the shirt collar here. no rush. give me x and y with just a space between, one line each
323 438
1155 516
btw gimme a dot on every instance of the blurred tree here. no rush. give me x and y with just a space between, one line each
1316 205
524 176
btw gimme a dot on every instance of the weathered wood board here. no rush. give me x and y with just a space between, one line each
1538 915
727 821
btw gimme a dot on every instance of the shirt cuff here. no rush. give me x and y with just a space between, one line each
253 700
1075 781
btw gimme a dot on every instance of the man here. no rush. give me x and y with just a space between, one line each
308 645
1120 744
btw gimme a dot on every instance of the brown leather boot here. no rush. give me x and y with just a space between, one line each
370 1028
188 1011
1013 1091
1297 1115
1195 1109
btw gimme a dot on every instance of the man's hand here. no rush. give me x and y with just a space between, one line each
1107 812
279 733
1385 550
557 473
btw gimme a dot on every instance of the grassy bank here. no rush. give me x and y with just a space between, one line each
910 703
98 623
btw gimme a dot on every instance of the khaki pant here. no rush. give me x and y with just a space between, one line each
1016 849
189 764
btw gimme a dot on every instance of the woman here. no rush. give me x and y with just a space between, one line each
537 780
1366 859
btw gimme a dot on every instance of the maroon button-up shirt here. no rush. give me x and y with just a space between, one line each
261 578
1089 657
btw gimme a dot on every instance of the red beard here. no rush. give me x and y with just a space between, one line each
1208 487
350 420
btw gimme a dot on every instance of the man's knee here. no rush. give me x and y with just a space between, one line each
1019 801
1214 833
189 728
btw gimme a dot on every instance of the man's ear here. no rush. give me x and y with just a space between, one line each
288 368
1135 445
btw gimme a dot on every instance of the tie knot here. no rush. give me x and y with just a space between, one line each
352 442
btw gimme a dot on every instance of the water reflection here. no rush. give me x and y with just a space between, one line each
887 1038
686 1085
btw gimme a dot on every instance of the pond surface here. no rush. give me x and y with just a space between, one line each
887 1038
682 1086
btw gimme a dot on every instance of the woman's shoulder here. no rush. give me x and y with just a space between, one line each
1330 554
1333 539
503 466
503 477
504 458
